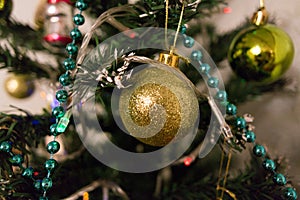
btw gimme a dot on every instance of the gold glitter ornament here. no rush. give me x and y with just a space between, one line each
19 86
159 105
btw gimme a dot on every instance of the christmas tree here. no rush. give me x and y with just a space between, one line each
136 106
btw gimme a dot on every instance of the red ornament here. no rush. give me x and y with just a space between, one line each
227 10
57 39
58 23
36 173
57 1
188 161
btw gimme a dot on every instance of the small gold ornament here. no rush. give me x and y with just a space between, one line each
262 52
158 106
19 86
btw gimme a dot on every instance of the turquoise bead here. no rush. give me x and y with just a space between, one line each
240 122
196 55
231 109
221 95
69 64
279 179
62 95
81 5
65 79
290 193
58 112
17 160
250 136
189 42
43 198
75 34
72 49
53 147
53 129
5 146
37 184
51 164
183 29
269 165
46 183
28 172
78 19
213 82
204 68
259 150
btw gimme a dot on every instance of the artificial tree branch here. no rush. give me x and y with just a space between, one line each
105 184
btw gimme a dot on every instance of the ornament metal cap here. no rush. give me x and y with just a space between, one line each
260 17
169 59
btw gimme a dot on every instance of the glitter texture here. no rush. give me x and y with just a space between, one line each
159 105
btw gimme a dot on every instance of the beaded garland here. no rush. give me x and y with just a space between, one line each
62 116
240 123
59 112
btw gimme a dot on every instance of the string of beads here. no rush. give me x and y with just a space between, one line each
240 123
59 112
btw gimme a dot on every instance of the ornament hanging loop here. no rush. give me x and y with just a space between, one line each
260 17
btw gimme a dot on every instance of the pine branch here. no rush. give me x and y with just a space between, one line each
251 183
16 60
21 35
99 183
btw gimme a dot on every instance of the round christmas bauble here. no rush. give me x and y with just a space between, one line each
261 53
5 8
158 105
19 86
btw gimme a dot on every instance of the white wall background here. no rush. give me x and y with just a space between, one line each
277 115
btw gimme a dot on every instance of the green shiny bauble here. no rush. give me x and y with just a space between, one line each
261 54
